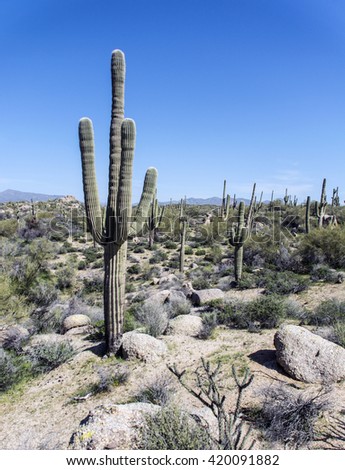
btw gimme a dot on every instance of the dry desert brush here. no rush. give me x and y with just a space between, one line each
233 434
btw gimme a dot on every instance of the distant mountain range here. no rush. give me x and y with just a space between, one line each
11 195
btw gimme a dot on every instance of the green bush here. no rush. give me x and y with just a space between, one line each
188 250
65 278
8 228
282 283
47 355
172 429
200 252
13 369
158 257
323 246
170 245
328 312
134 269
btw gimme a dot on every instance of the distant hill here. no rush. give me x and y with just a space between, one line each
11 195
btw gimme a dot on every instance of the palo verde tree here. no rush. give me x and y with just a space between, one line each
112 230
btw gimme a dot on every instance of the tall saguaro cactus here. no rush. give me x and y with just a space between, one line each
118 223
321 206
238 235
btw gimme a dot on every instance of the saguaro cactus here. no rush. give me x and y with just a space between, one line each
224 211
154 219
183 232
307 215
238 235
321 206
112 232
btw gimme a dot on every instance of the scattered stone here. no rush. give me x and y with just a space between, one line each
187 325
112 427
143 347
203 296
169 278
13 336
308 357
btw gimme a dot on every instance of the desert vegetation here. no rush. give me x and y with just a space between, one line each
171 315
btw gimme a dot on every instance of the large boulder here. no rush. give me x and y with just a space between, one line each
76 321
112 427
201 297
308 357
158 297
143 347
185 325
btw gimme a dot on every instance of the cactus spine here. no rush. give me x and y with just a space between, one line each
307 215
113 233
238 235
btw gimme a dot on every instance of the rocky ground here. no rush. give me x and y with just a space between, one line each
47 411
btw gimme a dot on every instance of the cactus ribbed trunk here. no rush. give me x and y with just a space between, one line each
183 244
113 294
238 262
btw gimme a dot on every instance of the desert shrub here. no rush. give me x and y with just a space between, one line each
42 294
157 257
200 252
293 309
65 278
289 417
188 250
109 377
339 333
81 265
328 312
158 391
200 282
323 246
8 228
322 272
134 269
209 323
177 307
129 287
47 319
92 254
13 369
131 322
139 249
248 281
215 254
170 245
93 284
263 312
282 283
154 317
47 355
172 429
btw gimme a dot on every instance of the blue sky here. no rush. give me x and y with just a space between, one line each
247 90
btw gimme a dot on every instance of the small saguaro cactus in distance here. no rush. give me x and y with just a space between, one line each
224 211
321 206
154 219
112 230
307 215
238 235
183 232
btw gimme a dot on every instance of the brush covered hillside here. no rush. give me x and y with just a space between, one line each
203 310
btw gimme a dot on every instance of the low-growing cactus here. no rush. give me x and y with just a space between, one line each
112 230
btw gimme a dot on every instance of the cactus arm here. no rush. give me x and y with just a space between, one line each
142 210
92 204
